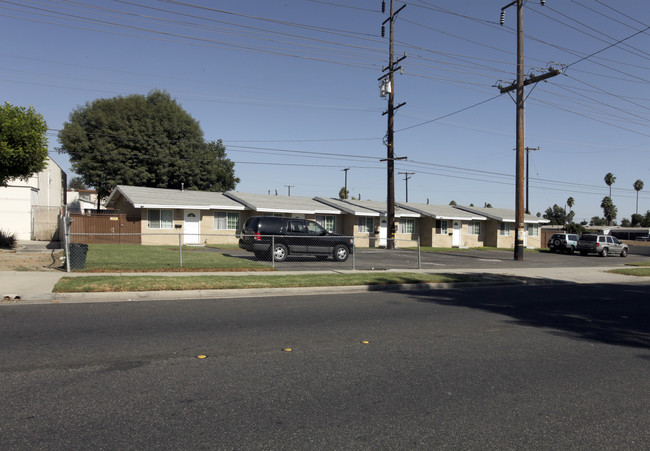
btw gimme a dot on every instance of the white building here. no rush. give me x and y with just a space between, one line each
30 209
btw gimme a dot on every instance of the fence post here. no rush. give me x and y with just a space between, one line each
354 254
419 257
180 249
66 238
272 254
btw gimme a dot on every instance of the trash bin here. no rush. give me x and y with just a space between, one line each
77 256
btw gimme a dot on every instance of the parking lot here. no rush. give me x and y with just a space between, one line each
380 259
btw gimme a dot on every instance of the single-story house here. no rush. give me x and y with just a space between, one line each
207 217
289 206
446 226
367 221
501 228
31 208
202 217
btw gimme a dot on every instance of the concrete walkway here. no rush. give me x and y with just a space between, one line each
36 286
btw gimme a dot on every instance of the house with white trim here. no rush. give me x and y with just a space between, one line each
446 226
289 206
367 221
202 217
501 228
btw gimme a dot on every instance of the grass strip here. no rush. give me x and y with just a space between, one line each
638 264
639 272
86 284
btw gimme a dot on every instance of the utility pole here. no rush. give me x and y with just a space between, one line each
528 149
289 189
345 193
406 179
519 86
388 87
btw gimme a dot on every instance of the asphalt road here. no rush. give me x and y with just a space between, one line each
546 367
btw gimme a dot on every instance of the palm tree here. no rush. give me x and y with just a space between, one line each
570 203
609 209
609 180
638 186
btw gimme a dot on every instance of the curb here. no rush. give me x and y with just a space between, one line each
140 296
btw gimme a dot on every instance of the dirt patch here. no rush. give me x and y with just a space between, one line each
31 261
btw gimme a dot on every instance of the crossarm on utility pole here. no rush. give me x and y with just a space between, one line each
531 80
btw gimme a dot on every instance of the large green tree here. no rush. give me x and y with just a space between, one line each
143 141
23 145
558 216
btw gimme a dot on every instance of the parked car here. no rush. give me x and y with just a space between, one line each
281 237
566 242
601 244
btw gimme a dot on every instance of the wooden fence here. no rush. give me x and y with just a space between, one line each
105 229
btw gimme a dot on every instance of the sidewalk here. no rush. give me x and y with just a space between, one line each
36 286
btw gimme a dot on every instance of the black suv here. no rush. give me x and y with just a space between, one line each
292 236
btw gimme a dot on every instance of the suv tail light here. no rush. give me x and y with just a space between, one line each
258 236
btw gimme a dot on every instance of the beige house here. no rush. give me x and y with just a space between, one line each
367 221
501 229
199 217
446 226
289 206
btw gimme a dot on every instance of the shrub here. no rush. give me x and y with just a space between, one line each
7 240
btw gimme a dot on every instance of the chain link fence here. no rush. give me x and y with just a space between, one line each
162 252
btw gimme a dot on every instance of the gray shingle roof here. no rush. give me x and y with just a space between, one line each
443 212
502 214
144 197
368 207
265 203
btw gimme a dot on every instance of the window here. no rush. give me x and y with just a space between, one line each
474 228
226 220
533 229
365 225
326 221
160 219
406 226
441 227
504 229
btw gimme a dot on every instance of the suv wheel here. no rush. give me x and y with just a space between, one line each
571 250
341 253
624 253
557 243
604 252
280 252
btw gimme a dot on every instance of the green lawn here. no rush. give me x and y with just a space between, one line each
135 257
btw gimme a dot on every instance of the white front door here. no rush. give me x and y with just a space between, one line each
192 227
383 232
455 237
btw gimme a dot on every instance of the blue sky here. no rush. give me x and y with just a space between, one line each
291 88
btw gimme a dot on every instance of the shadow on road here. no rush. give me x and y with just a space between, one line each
607 313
